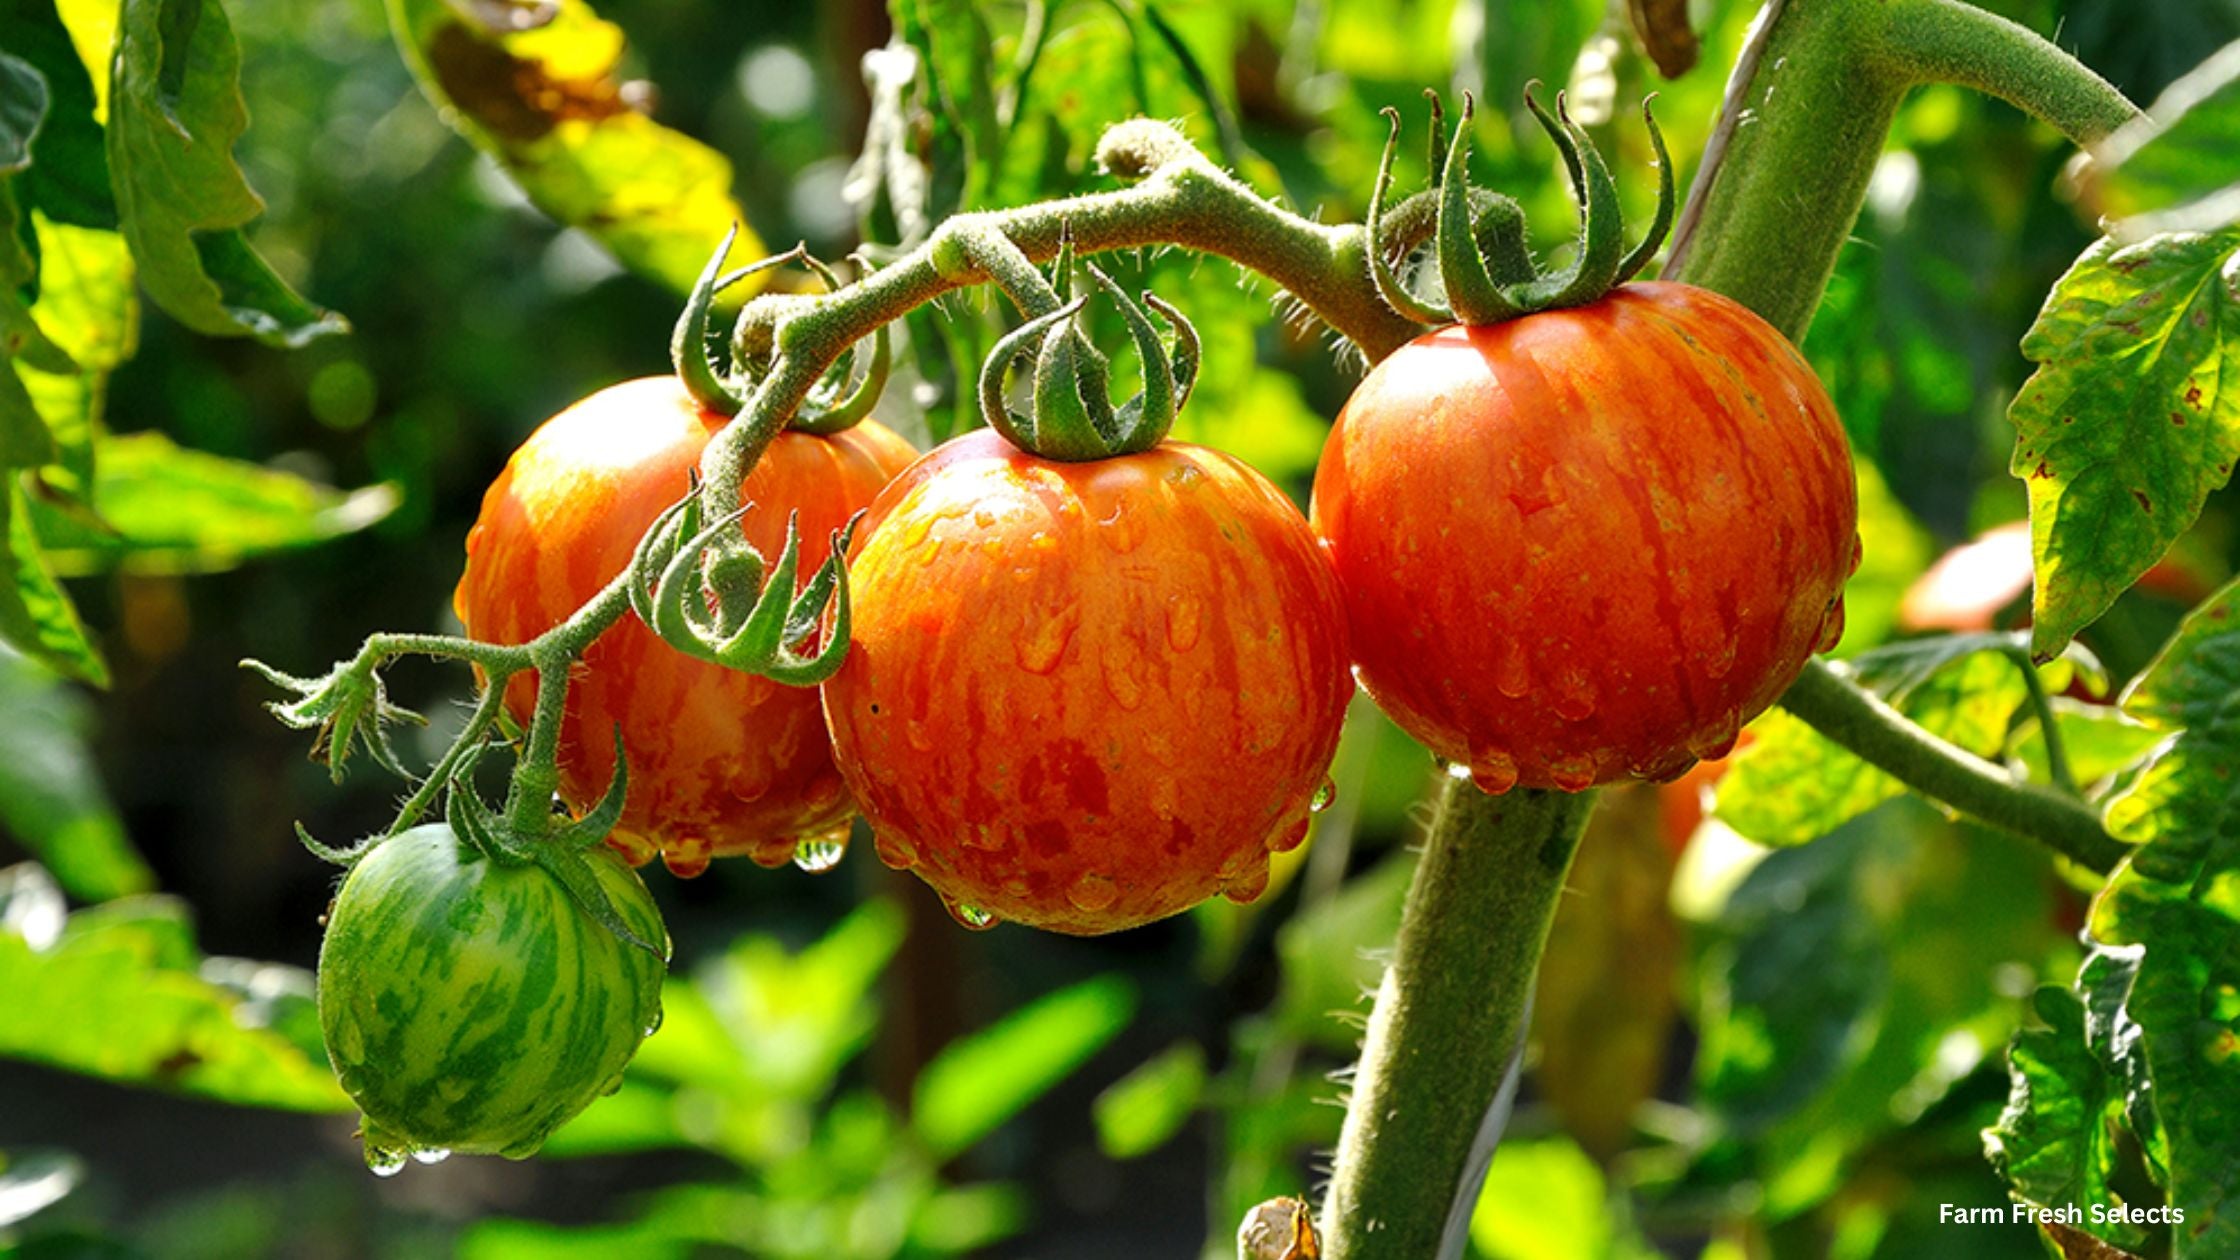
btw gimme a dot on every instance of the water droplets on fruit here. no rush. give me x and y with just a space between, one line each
1042 648
1572 774
384 1158
1093 892
1185 620
1324 795
920 737
1831 628
433 1155
893 850
1718 740
1247 886
1122 531
685 865
1123 670
821 852
1288 836
1574 695
971 917
1493 770
1512 675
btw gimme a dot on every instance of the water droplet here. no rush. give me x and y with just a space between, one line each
349 1044
984 517
821 852
1665 767
1512 675
385 1158
1572 774
1323 795
969 916
920 738
1831 628
1122 531
1248 886
1123 670
1184 621
1288 836
1718 740
685 865
434 1155
352 1080
894 850
1574 695
772 852
1093 892
654 1025
1041 650
1493 770
1858 553
983 837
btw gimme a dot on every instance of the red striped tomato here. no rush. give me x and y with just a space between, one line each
1084 696
721 763
472 1006
1589 544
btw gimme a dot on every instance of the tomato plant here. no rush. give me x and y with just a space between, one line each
1145 709
724 763
1589 544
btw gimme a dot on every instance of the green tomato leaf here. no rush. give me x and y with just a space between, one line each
51 799
175 114
166 509
979 1081
1145 1109
2172 168
1792 785
69 176
2058 1140
2129 421
1547 1200
89 307
111 999
35 616
2101 742
2182 809
535 87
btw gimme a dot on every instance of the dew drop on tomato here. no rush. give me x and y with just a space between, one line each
1511 676
1093 892
1572 774
1184 618
382 1157
685 865
970 917
821 852
1493 770
894 851
1248 886
1288 836
1323 795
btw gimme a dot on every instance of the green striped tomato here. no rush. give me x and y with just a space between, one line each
473 1006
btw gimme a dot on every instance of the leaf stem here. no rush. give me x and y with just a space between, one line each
2041 704
1448 1014
1861 722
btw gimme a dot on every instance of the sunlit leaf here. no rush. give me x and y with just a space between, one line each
2174 166
173 510
2181 808
182 202
68 181
36 617
1792 784
1143 1110
51 799
2130 420
537 88
116 997
1546 1200
981 1080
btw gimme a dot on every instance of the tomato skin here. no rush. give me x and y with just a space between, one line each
1589 544
1085 696
721 763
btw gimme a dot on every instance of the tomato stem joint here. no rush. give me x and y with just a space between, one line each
1070 415
844 395
710 594
1478 237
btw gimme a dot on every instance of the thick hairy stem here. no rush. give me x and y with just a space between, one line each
1858 720
1451 1009
1804 123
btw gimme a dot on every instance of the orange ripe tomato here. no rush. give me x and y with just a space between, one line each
1589 544
1084 696
721 763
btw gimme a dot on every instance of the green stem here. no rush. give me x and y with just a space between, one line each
2041 704
1818 87
1450 1010
1178 198
1861 722
487 708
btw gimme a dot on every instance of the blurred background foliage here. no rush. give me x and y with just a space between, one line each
1737 1053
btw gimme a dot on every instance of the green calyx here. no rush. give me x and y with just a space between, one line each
1478 237
842 397
710 594
1070 415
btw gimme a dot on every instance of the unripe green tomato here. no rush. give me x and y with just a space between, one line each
474 1006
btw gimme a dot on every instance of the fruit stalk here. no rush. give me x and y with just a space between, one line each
1448 1014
